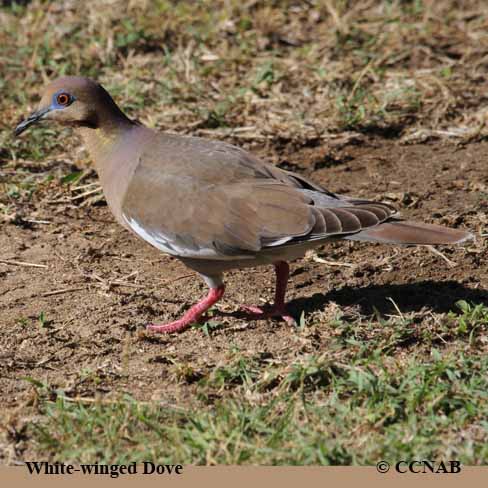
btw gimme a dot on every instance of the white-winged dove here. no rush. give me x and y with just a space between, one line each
213 205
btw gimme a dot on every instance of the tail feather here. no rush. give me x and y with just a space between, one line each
406 232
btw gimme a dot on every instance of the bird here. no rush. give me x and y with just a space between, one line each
215 206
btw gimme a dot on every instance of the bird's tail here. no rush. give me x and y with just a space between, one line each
405 232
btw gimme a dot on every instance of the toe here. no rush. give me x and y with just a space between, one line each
257 313
289 319
253 310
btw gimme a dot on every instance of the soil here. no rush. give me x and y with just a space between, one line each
79 323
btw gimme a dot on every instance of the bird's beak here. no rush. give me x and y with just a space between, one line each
32 119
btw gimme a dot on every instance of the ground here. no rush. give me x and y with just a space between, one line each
389 358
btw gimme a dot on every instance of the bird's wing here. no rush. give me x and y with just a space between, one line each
228 205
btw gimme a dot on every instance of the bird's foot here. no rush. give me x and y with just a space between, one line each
273 311
193 315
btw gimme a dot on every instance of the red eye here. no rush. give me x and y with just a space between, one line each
63 99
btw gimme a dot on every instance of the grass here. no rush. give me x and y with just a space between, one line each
307 71
355 404
224 64
262 73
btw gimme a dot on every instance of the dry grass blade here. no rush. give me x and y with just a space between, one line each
436 251
318 259
22 263
87 193
178 278
33 221
107 283
61 291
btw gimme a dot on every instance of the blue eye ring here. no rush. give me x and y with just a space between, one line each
63 99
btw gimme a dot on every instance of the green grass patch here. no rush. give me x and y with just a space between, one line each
315 410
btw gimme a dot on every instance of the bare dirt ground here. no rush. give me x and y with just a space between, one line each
86 310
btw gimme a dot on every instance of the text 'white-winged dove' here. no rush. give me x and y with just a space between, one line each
212 205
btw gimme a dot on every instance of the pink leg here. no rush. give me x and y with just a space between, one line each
278 309
192 315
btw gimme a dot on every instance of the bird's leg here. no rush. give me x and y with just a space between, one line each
193 314
278 309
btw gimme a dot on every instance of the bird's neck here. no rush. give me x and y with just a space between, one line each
101 140
115 150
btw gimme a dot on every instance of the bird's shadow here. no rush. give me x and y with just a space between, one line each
437 296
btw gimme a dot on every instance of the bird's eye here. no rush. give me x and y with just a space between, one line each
63 99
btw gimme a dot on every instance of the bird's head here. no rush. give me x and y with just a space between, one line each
75 101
